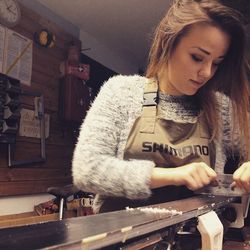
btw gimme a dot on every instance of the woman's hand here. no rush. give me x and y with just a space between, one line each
195 175
241 177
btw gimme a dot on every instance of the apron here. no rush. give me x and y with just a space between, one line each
168 144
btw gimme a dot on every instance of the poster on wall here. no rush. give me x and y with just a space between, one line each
17 61
29 124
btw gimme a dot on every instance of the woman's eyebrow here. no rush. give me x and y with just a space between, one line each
207 52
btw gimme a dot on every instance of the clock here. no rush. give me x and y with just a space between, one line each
10 13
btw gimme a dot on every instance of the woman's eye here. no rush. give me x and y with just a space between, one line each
196 58
216 64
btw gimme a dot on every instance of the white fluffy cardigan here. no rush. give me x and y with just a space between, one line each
98 166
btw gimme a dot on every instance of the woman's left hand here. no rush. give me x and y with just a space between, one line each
241 177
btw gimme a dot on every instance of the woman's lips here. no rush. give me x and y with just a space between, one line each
197 83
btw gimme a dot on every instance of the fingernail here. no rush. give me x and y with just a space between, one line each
232 186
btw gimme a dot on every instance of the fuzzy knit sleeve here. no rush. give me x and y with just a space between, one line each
95 165
229 136
230 128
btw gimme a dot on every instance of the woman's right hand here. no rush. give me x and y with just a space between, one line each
194 175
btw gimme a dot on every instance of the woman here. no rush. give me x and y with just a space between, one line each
154 139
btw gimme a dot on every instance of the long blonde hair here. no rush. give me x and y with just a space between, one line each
231 76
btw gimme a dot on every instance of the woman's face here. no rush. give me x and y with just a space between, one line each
194 60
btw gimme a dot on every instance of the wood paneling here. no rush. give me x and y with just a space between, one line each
31 187
56 170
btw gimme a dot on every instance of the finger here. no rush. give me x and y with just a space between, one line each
202 179
240 177
214 183
244 168
246 186
197 182
191 183
205 179
206 175
210 172
239 185
233 185
237 177
237 174
245 182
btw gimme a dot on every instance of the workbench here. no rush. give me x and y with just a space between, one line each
106 230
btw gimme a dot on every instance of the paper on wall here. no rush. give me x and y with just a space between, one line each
17 61
2 38
30 125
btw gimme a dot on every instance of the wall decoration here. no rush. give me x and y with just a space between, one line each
16 56
45 38
10 13
29 124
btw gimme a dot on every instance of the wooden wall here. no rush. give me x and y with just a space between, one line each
56 171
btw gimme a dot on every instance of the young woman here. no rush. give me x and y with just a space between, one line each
154 139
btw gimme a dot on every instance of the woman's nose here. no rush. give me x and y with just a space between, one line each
206 71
